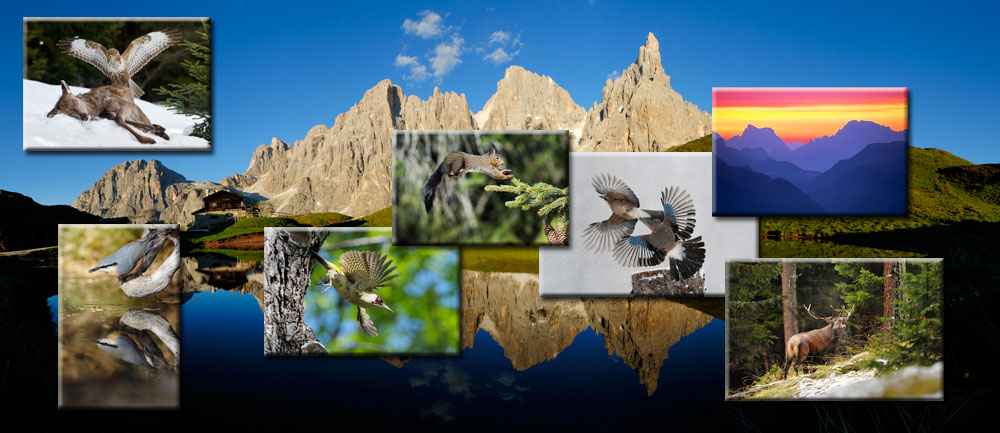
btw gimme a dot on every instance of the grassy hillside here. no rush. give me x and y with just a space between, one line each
703 144
320 219
382 218
944 189
245 226
379 218
500 259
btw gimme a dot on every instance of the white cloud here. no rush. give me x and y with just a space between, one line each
447 56
499 56
506 379
418 72
441 410
613 75
428 373
429 26
457 382
499 37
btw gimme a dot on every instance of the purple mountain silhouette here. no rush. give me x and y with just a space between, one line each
760 138
849 140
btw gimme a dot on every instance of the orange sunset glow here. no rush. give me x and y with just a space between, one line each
801 114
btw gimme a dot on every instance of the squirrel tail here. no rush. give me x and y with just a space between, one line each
430 186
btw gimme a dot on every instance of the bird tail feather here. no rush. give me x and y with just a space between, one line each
685 263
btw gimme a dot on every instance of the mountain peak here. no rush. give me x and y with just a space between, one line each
639 111
652 43
128 189
526 100
761 133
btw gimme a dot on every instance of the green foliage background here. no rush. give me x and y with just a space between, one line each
194 98
917 333
425 301
44 62
463 212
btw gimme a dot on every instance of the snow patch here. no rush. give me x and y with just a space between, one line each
63 132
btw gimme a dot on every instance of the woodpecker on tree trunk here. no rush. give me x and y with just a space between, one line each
355 276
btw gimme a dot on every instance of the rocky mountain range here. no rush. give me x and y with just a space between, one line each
146 191
532 329
346 167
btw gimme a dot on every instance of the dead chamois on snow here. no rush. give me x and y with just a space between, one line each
109 102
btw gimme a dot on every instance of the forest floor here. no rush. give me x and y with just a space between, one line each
849 379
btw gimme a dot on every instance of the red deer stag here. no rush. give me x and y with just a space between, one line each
817 341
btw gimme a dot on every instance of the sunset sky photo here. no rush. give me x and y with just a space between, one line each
801 114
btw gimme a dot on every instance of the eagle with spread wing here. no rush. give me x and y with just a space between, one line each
120 67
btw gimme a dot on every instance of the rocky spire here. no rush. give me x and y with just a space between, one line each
640 112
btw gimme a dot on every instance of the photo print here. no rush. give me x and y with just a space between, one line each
117 84
119 316
643 226
835 329
347 291
480 187
810 151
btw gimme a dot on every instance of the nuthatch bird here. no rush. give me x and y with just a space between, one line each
131 260
123 347
355 275
669 238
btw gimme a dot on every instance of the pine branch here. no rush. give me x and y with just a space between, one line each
194 99
551 200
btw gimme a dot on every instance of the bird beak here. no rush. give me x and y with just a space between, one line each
387 308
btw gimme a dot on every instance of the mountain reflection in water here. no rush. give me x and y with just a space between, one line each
519 351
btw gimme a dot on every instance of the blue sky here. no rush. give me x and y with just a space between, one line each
278 72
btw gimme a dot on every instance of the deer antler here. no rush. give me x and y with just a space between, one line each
809 310
844 308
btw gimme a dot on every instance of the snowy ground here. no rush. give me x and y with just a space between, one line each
847 380
63 132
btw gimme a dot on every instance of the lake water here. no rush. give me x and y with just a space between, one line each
647 360
104 360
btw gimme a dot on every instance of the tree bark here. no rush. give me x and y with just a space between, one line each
788 296
288 265
890 291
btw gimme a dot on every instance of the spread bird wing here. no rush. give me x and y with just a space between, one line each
366 323
601 236
90 52
147 46
605 183
634 251
369 269
678 206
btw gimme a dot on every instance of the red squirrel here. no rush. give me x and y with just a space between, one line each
459 163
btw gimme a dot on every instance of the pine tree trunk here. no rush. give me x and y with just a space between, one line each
288 265
890 291
788 296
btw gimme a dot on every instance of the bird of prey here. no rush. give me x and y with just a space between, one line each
601 236
120 67
670 237
355 276
131 260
